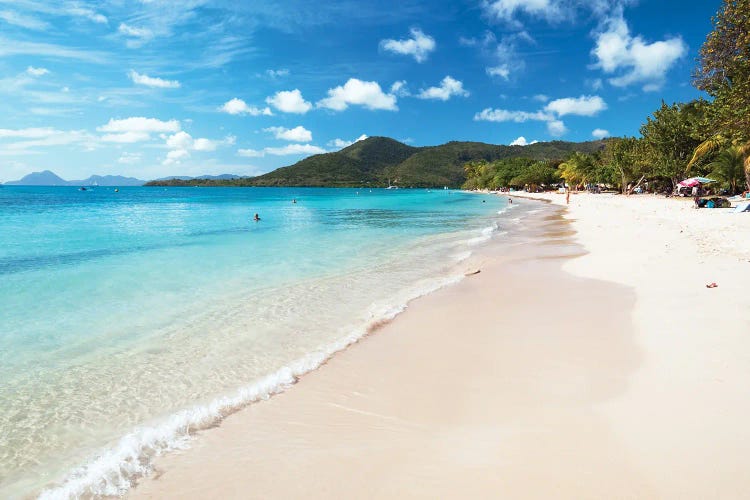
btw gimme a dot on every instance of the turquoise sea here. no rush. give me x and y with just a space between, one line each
130 318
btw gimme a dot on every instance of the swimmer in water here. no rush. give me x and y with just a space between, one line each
294 200
256 218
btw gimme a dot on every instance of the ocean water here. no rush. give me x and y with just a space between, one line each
130 319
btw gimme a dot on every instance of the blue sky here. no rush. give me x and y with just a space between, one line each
151 88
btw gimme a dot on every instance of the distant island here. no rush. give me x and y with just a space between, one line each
48 178
380 161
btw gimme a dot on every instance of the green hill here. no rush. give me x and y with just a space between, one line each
377 160
362 163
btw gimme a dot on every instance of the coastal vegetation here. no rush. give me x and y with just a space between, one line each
700 137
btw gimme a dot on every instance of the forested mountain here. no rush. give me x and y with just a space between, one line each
376 161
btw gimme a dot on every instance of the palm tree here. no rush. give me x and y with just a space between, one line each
578 169
729 167
719 141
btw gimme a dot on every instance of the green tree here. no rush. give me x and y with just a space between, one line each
724 70
578 169
541 173
724 73
670 137
729 167
473 169
626 159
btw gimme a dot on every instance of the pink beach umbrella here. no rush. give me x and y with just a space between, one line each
695 181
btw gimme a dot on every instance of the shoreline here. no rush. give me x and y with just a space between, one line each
580 363
127 457
416 385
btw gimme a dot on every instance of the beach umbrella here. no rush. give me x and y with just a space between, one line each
694 181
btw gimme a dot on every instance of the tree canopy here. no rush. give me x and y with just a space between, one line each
724 70
724 73
670 137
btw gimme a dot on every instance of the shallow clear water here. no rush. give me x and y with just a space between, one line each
126 310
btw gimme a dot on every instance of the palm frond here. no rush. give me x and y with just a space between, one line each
706 147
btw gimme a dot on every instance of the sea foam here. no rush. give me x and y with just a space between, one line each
115 470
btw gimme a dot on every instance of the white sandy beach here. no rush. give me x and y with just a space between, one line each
586 360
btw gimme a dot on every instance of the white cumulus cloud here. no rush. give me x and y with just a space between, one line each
581 106
135 129
400 89
341 143
358 93
600 133
296 134
139 124
152 81
237 106
289 101
632 59
180 140
448 88
175 157
181 144
418 46
203 144
556 128
551 113
521 141
250 153
183 140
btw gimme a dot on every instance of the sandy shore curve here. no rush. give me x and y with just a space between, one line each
586 360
